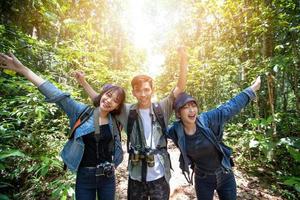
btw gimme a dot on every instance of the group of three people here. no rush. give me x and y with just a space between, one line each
95 149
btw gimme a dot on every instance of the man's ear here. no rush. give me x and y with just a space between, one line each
133 93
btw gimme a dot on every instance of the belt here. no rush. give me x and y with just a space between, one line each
218 171
88 167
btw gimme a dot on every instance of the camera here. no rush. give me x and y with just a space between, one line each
105 169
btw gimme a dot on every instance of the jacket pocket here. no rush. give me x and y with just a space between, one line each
72 154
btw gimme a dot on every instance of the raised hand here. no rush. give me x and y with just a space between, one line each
182 52
80 77
12 63
181 83
256 85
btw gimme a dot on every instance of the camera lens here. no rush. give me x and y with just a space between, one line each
135 157
150 160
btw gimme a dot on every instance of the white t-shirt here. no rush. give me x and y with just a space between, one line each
157 171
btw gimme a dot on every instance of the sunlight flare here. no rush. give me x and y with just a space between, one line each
149 24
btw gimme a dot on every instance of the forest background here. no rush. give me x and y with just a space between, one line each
229 43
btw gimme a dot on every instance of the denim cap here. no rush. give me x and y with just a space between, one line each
182 99
107 86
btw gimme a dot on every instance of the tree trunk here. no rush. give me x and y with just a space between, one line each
271 96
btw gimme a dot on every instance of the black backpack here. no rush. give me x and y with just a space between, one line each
83 117
132 117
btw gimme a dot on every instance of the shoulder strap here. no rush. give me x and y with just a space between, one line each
84 115
211 137
119 126
159 116
132 117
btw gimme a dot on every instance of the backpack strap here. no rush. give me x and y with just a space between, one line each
159 116
217 143
132 117
83 117
119 127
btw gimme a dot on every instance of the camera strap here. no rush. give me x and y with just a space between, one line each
144 162
97 130
97 136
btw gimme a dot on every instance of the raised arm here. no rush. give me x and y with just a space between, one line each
53 95
80 77
180 87
229 109
12 63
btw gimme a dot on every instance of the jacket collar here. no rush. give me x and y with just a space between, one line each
136 108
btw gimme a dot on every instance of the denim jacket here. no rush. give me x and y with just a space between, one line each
211 123
72 152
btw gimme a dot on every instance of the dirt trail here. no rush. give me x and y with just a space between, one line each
248 187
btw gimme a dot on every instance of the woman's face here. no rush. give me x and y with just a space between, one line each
188 113
109 101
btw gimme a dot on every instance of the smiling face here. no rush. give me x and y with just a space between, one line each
109 101
188 113
143 93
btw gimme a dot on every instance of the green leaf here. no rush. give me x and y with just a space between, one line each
3 197
294 182
9 72
294 153
10 153
2 166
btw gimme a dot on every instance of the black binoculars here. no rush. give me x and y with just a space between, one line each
136 156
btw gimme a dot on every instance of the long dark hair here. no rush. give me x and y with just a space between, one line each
112 88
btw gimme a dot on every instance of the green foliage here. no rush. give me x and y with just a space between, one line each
244 39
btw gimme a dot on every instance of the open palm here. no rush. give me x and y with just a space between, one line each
256 85
11 62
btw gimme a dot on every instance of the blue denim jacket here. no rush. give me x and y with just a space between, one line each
73 150
211 124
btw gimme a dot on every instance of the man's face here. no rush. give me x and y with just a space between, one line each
143 94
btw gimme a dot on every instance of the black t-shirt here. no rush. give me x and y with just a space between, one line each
202 152
89 158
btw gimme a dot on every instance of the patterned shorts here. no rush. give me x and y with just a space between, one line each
157 190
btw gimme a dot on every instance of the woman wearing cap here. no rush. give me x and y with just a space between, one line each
92 156
199 139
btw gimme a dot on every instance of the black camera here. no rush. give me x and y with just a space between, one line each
105 169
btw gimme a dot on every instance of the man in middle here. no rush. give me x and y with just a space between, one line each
145 124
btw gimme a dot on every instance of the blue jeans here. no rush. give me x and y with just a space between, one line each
224 183
87 185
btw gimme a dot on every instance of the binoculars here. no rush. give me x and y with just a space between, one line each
136 156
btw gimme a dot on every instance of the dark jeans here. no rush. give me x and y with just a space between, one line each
223 182
87 185
157 190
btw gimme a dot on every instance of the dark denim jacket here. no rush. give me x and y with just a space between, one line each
211 124
73 150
